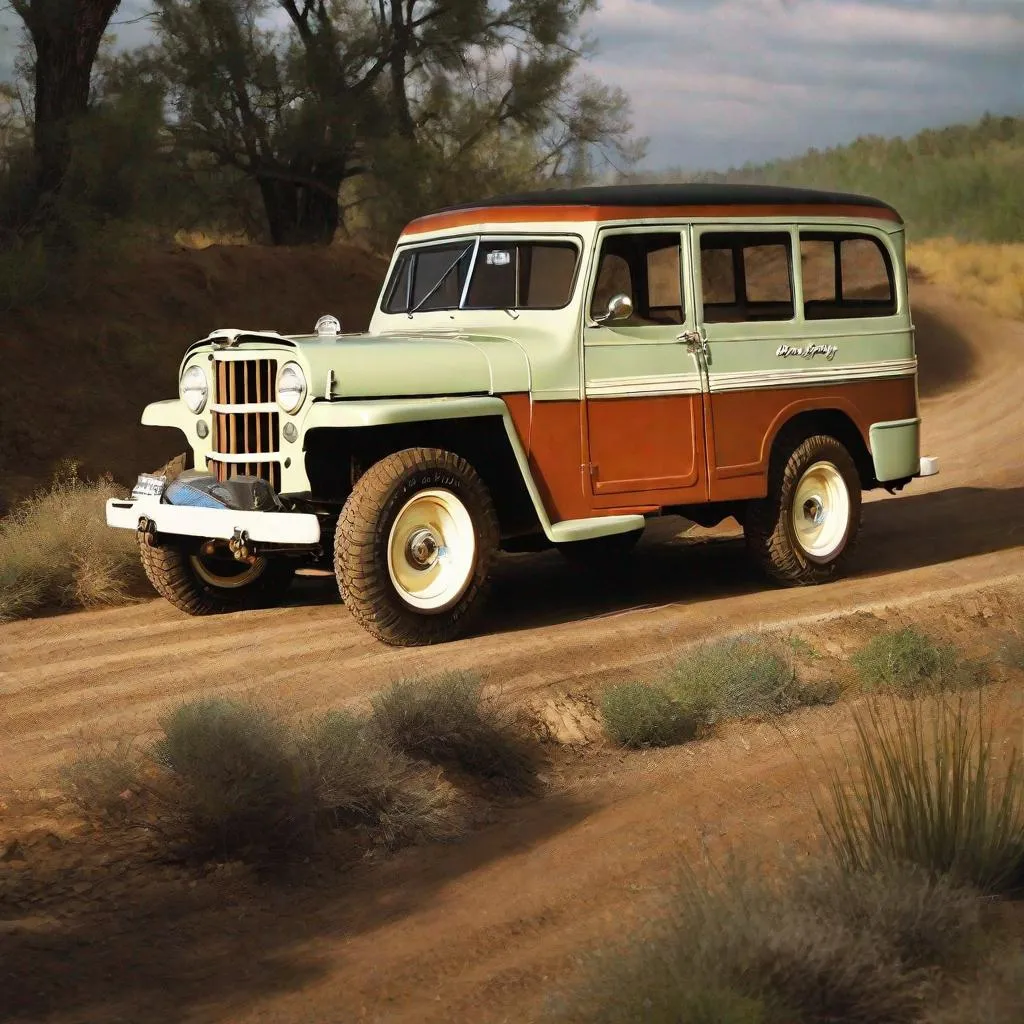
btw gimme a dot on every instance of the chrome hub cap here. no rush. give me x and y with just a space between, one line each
821 512
432 551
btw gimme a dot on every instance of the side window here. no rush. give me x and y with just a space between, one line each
845 276
746 277
522 275
645 266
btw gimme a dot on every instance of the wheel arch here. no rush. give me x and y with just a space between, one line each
345 439
835 422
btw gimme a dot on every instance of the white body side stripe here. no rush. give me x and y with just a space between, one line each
750 379
647 386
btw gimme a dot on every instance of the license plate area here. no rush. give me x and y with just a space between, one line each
149 486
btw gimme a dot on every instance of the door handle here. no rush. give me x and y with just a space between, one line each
697 339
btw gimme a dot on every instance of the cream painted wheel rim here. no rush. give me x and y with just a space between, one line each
432 551
821 512
207 569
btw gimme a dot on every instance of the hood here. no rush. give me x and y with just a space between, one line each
385 365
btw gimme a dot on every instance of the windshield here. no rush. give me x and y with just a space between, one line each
483 274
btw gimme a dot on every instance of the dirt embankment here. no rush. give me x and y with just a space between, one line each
79 367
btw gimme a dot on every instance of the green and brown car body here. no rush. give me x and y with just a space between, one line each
756 315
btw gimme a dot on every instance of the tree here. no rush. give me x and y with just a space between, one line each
418 95
66 36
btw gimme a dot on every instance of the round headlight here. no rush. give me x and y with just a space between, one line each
291 387
194 388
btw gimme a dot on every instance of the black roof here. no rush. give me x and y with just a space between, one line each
677 195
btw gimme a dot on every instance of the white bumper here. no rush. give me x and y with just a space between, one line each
211 523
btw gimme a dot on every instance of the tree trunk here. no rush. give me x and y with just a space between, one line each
66 36
300 214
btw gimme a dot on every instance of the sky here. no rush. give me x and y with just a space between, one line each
719 83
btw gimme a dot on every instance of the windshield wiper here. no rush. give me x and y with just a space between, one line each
441 280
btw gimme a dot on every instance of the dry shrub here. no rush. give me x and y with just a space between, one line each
57 552
930 794
445 719
239 777
994 996
230 778
992 275
813 946
103 782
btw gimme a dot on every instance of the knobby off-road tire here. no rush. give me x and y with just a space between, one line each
188 580
803 532
414 547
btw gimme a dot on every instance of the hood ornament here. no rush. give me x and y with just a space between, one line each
327 326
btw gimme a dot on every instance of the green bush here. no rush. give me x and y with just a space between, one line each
446 720
56 550
932 796
639 715
741 677
909 662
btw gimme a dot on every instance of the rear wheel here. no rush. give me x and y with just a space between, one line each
208 584
806 527
415 546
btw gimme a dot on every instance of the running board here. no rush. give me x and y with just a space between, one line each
599 526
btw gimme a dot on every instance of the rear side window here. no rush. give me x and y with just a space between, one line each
746 277
845 276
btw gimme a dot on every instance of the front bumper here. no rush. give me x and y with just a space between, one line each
213 523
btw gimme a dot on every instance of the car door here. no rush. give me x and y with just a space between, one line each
642 380
746 301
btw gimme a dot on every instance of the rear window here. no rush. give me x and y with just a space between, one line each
845 276
746 276
504 275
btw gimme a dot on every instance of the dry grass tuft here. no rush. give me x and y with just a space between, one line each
57 552
930 794
992 275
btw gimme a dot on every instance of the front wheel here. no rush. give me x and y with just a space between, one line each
805 529
414 547
201 584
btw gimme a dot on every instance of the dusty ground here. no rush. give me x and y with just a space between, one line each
483 930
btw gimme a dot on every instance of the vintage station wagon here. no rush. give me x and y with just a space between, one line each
549 369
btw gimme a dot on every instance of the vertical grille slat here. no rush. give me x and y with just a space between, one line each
242 383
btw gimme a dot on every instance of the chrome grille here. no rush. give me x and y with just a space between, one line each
246 421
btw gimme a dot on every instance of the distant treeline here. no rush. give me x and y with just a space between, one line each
964 181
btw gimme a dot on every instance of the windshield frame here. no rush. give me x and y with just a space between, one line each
478 240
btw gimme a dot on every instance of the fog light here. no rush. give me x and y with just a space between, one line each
201 428
290 432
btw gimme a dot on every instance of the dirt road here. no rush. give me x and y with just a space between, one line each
479 931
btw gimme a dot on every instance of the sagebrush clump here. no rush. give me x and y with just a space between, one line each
57 552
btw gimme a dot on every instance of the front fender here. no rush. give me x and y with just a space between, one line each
383 412
377 413
169 413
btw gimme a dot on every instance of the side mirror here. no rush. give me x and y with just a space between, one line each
620 307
